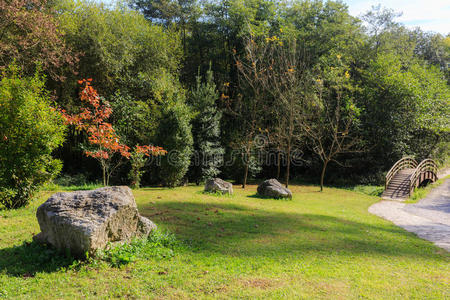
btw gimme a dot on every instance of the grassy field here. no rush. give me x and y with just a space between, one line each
317 246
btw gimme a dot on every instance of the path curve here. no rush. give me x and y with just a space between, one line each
429 218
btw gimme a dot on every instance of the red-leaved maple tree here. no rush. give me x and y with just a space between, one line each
101 134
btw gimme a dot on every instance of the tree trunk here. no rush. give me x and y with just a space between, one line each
107 178
104 175
247 162
325 163
278 164
288 165
245 175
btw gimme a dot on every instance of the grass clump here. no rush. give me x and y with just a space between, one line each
422 192
159 244
371 190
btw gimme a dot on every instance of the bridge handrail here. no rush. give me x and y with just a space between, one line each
405 162
424 166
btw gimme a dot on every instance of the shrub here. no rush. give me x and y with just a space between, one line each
30 129
138 160
175 136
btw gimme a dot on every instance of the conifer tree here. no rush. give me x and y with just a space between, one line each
208 156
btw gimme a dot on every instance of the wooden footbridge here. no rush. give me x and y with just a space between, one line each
406 174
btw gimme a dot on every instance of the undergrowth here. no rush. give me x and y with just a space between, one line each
160 244
422 192
371 190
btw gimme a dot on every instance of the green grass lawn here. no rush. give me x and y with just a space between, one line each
319 245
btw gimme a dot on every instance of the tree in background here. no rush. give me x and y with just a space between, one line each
31 36
135 121
176 137
405 107
208 153
126 54
138 159
179 13
332 115
250 109
174 132
288 79
101 134
30 129
121 49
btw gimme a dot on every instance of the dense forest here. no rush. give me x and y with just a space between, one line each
167 92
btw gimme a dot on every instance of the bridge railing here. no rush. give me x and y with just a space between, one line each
427 165
407 162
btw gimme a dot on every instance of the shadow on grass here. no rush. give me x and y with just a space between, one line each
236 230
257 196
30 258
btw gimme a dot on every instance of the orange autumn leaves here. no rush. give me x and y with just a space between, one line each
101 134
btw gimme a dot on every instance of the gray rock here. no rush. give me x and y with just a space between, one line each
84 221
218 185
273 189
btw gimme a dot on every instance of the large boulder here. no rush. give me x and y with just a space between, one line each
84 221
215 185
273 189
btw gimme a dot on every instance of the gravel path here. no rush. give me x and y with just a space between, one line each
429 218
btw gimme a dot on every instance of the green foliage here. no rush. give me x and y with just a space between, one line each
405 107
137 160
121 50
70 180
135 121
159 244
397 89
175 136
371 190
208 153
30 129
422 192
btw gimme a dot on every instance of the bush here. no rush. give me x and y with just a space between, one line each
175 136
30 129
71 180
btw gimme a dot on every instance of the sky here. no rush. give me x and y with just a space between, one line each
429 15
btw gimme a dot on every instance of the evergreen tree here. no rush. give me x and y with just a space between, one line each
206 130
176 136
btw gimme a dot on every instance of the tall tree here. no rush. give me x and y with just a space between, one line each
174 132
288 79
208 152
179 13
251 108
332 115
